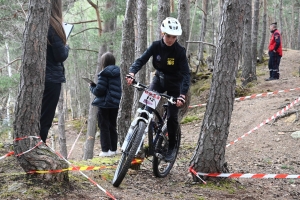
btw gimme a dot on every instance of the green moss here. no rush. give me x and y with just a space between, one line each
188 119
227 185
77 125
200 86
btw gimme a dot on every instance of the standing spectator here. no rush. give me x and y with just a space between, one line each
57 53
275 52
172 74
108 93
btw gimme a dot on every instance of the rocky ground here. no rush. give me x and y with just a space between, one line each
269 148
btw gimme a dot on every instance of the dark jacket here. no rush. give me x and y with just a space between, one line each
169 60
108 90
57 53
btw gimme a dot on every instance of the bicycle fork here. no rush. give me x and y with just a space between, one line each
133 125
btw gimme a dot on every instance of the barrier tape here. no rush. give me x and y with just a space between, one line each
75 141
40 142
7 155
75 168
266 121
22 138
238 175
18 139
196 174
254 96
91 180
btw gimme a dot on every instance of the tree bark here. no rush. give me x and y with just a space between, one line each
209 156
203 30
163 13
254 35
61 125
127 58
247 74
264 32
141 46
184 19
28 106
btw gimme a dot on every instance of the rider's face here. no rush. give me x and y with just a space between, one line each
169 40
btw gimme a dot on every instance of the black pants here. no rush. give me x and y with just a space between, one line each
172 123
107 123
274 62
49 103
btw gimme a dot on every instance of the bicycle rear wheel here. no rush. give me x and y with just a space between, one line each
129 153
161 168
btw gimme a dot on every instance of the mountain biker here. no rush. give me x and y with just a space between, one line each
172 74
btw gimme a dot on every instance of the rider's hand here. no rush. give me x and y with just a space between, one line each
180 100
130 78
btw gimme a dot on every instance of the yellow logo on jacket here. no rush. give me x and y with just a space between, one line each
170 61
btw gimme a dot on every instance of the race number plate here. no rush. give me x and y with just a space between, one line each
150 99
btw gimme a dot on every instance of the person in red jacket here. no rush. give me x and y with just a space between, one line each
275 52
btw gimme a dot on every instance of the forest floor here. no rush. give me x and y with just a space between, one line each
269 149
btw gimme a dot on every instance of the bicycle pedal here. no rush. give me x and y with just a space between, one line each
159 155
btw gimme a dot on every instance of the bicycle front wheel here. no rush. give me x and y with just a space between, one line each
129 153
161 168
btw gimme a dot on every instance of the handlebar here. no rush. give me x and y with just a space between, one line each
141 86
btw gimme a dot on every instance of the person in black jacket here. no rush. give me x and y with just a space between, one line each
57 53
172 73
108 93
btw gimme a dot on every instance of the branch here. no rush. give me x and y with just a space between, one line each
201 42
98 16
11 63
82 31
83 22
85 50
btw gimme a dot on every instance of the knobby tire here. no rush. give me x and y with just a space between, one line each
161 168
128 155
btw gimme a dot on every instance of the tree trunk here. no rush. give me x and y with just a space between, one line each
203 30
264 32
61 125
255 23
141 46
281 27
28 106
184 19
247 74
163 13
210 152
127 58
190 32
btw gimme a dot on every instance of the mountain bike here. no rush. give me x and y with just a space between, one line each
155 126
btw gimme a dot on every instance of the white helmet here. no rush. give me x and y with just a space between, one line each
171 26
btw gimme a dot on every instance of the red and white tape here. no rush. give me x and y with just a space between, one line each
253 96
238 175
91 180
265 121
7 155
40 142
